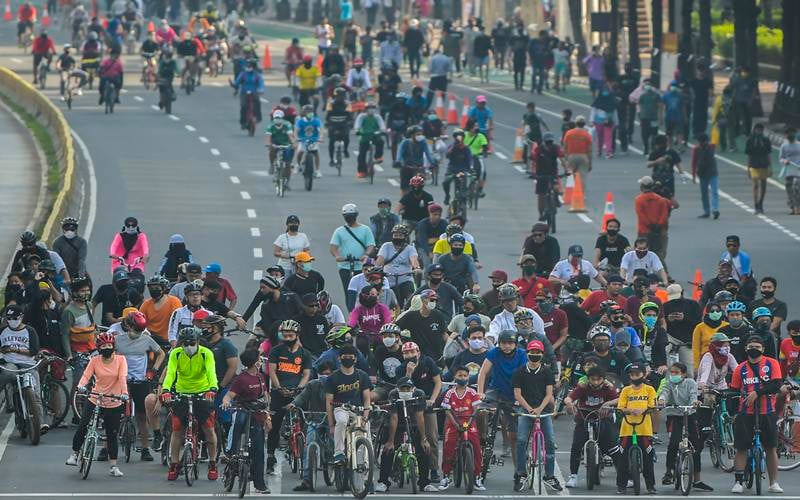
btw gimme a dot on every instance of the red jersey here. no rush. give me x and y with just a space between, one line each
43 46
227 293
789 357
462 407
110 68
748 378
26 14
528 288
592 303
554 322
591 398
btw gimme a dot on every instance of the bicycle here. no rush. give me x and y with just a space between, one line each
487 439
215 61
684 463
283 170
464 459
474 189
189 79
250 112
406 467
458 205
634 453
127 431
149 79
55 395
26 39
86 453
337 134
756 456
310 149
295 438
535 465
369 161
438 155
552 198
109 97
166 95
319 451
41 72
565 382
78 399
190 450
592 456
238 462
27 419
359 465
788 426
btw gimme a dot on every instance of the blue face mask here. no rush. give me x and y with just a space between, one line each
307 267
462 381
675 379
650 321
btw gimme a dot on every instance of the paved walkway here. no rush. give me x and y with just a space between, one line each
19 190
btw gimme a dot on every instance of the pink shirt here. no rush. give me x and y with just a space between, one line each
110 378
140 249
370 320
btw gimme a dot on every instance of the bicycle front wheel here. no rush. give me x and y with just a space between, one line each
55 401
635 468
540 458
788 441
34 421
363 465
468 461
591 464
758 468
229 475
127 435
244 477
412 474
685 472
187 464
87 456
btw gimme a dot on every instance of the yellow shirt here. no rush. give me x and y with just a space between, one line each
701 338
307 77
443 247
641 398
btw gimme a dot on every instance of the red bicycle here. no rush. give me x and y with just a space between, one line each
295 441
190 451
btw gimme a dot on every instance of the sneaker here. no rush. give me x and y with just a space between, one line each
737 488
346 153
305 486
203 453
657 439
158 440
447 202
700 485
621 491
519 482
44 429
79 92
430 488
630 484
716 215
262 489
444 483
651 490
667 479
146 456
173 472
775 488
63 98
360 175
213 474
479 485
72 459
114 471
381 487
435 478
271 465
572 481
103 455
704 216
553 483
332 163
338 458
318 174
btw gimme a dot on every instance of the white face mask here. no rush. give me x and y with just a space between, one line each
406 394
52 304
69 234
190 350
130 230
419 138
389 341
476 344
14 323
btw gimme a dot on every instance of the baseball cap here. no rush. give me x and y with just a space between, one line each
303 257
575 250
674 291
428 294
310 298
535 345
194 268
120 276
435 267
615 278
526 258
498 274
405 382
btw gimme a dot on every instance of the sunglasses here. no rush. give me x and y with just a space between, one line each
538 235
130 225
189 344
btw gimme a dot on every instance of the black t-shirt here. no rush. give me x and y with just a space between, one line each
313 283
533 384
664 171
692 315
426 332
347 388
612 251
111 301
423 374
700 88
223 350
312 332
216 307
416 207
387 363
289 365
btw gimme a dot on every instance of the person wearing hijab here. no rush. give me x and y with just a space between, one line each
177 254
130 245
605 119
705 330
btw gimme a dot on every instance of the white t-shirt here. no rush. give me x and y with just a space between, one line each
291 245
400 267
563 269
631 262
335 315
322 35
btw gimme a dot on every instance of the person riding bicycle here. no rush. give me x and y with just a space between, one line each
358 80
26 17
398 118
414 204
309 131
131 20
397 427
111 73
417 106
523 320
634 401
149 48
91 51
336 338
183 317
333 64
545 160
289 111
347 385
110 373
167 69
249 82
483 116
399 259
388 85
369 126
19 344
165 35
312 399
478 144
308 81
188 52
338 121
78 18
411 156
42 48
279 133
67 66
610 360
211 14
460 162
190 372
460 402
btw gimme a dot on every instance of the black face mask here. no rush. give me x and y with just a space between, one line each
294 227
348 362
349 218
156 293
107 352
121 287
602 347
457 251
795 339
412 360
641 253
612 232
290 343
754 353
434 281
398 241
177 248
535 358
768 295
617 323
637 382
640 292
369 301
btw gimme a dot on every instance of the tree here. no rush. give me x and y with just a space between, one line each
633 34
685 47
576 18
745 50
658 32
615 27
787 99
705 44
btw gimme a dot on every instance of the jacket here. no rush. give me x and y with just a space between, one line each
701 338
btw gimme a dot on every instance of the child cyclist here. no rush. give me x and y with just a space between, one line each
595 396
634 402
460 402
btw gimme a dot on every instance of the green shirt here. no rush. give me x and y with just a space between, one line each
648 105
476 143
191 374
369 127
280 136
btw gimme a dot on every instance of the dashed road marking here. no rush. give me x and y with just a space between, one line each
258 253
215 151
255 232
124 91
260 173
251 213
378 168
174 118
258 274
500 155
224 165
138 98
190 128
235 180
264 100
393 182
155 107
585 218
16 60
245 195
520 169
204 140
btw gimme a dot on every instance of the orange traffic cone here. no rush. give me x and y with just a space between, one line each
7 16
440 104
608 211
465 113
452 113
578 202
570 187
151 27
45 17
697 285
519 148
267 62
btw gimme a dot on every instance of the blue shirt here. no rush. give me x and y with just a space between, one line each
249 81
635 340
308 130
350 246
673 105
503 367
481 117
409 154
345 11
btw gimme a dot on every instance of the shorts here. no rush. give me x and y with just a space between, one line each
595 85
438 83
743 431
760 174
673 126
543 184
561 68
204 413
137 391
482 61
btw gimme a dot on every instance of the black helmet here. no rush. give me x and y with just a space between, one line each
47 265
507 291
189 334
27 238
271 282
69 221
507 336
158 280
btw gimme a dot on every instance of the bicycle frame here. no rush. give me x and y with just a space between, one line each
24 379
537 456
405 451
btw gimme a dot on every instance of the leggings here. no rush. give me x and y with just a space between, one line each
111 418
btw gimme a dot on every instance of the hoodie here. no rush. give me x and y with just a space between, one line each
701 337
683 393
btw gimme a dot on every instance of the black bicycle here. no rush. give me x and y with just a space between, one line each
239 463
493 408
552 198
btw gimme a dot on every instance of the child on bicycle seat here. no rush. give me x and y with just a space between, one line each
681 390
347 385
460 402
634 401
405 390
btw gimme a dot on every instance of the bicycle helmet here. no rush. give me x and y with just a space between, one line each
457 238
105 338
507 336
384 201
92 36
339 91
452 229
136 320
358 61
523 314
27 238
192 287
410 346
338 335
47 266
548 137
69 221
349 209
400 229
80 282
277 114
736 306
289 325
723 296
324 300
158 280
458 131
276 269
390 328
215 319
761 312
414 129
599 330
271 282
286 99
507 291
477 301
648 306
307 58
189 334
214 267
417 181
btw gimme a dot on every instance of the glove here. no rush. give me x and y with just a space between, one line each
150 375
209 395
82 389
166 397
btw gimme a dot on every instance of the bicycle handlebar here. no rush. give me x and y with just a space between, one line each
22 370
539 416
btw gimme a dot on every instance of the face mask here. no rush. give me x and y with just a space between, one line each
637 382
432 304
675 379
83 297
290 343
190 350
307 267
612 232
293 227
735 322
534 358
601 346
384 211
754 353
763 325
457 251
476 344
724 350
133 335
650 321
715 315
69 234
462 382
405 395
369 301
528 270
389 341
349 219
546 307
52 304
307 65
648 88
107 352
249 70
617 323
434 281
419 138
14 323
767 295
130 230
398 241
348 362
641 253
795 339
121 287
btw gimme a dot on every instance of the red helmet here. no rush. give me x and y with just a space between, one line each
200 316
136 320
307 58
410 346
358 61
535 345
105 338
417 181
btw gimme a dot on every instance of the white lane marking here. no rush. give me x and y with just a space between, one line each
4 437
264 100
224 165
500 155
258 274
235 180
393 182
155 107
190 128
251 214
255 232
124 91
258 253
215 151
173 118
204 140
89 225
378 168
216 84
16 60
520 169
245 195
260 173
138 98
585 218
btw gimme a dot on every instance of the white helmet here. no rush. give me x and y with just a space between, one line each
277 114
349 208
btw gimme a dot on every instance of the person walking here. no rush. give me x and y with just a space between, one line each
704 166
594 64
758 150
744 90
605 119
519 56
790 159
